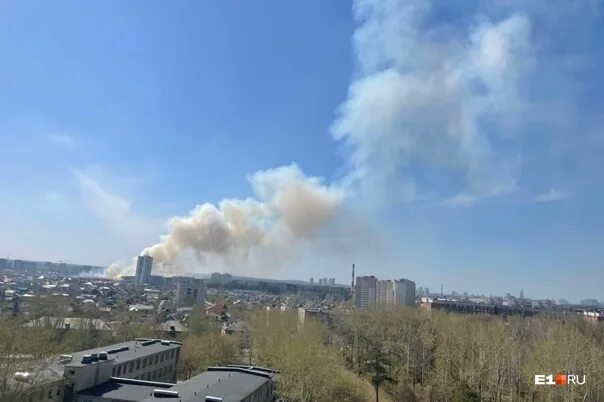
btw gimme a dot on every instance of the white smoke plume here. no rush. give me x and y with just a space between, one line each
251 233
434 98
430 98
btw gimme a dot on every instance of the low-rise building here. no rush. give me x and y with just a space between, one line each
66 377
228 384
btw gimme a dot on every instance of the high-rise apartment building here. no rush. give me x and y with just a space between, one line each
385 292
404 292
144 264
365 291
332 282
189 291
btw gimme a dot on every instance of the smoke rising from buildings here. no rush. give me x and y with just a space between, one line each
426 96
259 233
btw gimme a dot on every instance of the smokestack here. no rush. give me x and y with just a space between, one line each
352 284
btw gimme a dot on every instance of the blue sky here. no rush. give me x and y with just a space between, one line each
466 139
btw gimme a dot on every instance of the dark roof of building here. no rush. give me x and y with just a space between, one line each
124 389
126 351
232 384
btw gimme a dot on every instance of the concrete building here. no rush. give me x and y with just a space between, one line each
66 377
189 291
144 264
404 292
228 384
332 282
365 291
385 292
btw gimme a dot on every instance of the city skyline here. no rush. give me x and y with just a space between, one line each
465 150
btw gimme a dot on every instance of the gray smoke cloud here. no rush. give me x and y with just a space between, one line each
246 234
426 97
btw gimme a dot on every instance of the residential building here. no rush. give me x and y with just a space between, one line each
189 291
404 292
144 264
385 292
365 291
332 282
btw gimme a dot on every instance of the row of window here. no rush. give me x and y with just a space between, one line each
122 369
155 374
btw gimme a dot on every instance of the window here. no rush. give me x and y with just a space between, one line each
138 364
171 353
148 375
144 362
131 367
119 371
165 370
156 359
161 357
170 368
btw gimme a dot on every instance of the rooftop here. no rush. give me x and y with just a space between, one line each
232 384
126 351
119 389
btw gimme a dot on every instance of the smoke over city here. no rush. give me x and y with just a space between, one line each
261 233
432 98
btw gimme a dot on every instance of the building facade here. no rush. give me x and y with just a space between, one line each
385 292
404 292
144 264
65 377
365 291
189 291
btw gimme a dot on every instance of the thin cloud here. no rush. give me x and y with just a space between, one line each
115 211
460 200
552 195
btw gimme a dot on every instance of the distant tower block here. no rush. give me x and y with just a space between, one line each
144 264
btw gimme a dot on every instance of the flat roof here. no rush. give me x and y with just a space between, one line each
135 351
119 390
231 384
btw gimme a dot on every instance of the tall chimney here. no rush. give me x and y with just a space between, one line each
352 284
